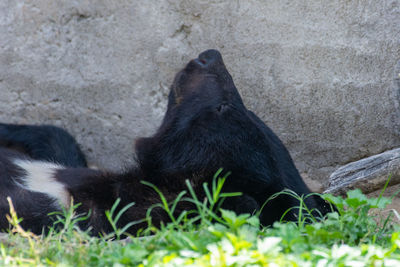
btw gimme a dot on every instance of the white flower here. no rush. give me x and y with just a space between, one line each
227 246
189 253
354 263
320 253
215 254
269 245
345 250
322 263
391 262
375 251
240 260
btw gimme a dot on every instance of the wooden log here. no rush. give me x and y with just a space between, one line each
369 174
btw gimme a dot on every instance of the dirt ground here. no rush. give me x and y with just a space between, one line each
395 205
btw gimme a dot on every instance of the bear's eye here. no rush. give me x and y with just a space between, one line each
221 108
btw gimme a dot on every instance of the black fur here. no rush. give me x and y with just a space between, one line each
206 127
44 142
33 207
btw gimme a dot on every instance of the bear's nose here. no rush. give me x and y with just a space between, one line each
210 58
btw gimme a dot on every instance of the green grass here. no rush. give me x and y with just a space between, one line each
205 238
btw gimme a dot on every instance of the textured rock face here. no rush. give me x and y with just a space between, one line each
321 74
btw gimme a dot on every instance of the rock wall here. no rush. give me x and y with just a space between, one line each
321 74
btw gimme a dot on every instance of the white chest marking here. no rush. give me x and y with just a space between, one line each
40 177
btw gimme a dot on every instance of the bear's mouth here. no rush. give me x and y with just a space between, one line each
200 62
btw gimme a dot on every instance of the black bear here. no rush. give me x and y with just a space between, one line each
206 127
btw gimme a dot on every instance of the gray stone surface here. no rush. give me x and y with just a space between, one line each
319 73
369 174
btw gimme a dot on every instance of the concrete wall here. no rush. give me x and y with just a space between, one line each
321 74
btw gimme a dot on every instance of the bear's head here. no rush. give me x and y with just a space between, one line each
207 127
